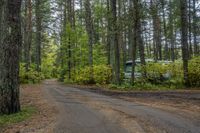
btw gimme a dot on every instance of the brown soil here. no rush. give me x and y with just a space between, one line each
43 120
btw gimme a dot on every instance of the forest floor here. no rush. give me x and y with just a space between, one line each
89 109
42 121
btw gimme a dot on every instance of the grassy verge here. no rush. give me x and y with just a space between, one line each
143 87
25 113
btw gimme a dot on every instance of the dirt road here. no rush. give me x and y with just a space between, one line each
83 111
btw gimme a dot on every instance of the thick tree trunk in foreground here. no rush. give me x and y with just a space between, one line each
10 42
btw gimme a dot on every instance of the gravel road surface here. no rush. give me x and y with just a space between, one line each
82 111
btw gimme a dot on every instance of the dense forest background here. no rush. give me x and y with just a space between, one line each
79 40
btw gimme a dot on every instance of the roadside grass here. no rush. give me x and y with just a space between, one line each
143 87
23 115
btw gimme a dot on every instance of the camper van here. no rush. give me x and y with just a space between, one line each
138 73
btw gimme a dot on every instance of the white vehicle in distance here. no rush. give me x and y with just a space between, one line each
138 73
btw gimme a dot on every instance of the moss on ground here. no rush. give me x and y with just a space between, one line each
23 115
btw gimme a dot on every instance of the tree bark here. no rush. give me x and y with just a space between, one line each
10 42
115 41
157 31
184 39
38 34
134 36
28 34
90 32
196 51
171 32
108 33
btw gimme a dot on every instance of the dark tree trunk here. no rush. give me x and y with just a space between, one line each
196 52
139 36
28 34
38 34
165 30
184 39
190 31
157 31
70 19
10 42
171 31
134 36
108 33
90 32
115 41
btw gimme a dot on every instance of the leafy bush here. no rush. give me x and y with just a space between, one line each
194 72
82 76
156 72
176 69
102 74
31 76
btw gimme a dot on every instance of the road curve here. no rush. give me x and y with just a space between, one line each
86 112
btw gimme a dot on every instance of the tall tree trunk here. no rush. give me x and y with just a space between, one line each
157 31
134 36
196 52
90 32
184 39
38 33
108 33
71 25
165 30
190 31
171 31
10 42
138 14
28 34
115 41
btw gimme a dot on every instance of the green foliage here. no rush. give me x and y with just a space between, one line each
139 87
156 71
194 72
102 74
48 67
32 76
82 76
26 113
176 72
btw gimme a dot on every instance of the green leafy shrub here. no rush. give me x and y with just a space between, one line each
102 74
83 76
31 76
176 71
156 72
194 72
